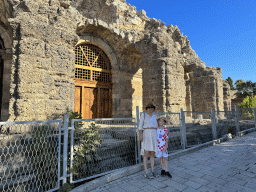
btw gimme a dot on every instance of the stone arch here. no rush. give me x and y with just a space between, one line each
91 91
6 72
93 87
126 77
87 38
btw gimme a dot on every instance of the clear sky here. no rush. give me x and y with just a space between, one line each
222 32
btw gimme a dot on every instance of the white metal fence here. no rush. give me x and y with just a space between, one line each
30 156
201 127
38 155
99 146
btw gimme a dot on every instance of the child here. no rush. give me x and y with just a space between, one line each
162 144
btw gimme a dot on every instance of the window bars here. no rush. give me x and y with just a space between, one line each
92 63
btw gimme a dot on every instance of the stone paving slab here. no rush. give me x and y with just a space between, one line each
226 167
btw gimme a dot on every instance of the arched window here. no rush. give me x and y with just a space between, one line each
93 82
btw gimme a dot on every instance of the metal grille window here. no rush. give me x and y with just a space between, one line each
83 74
100 76
92 63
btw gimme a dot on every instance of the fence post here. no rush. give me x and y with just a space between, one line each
65 149
255 116
136 139
214 133
237 120
183 130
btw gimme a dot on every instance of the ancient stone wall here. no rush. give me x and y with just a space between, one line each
150 61
226 96
42 85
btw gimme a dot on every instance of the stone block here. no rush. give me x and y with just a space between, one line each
30 46
58 51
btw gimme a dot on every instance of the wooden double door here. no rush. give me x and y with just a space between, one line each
93 102
92 82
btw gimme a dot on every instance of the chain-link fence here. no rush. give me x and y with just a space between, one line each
37 155
101 145
225 122
198 128
29 156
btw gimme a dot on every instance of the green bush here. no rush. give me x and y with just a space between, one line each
66 187
248 115
248 103
86 141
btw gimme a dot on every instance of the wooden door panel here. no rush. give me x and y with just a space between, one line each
78 91
87 100
104 103
90 104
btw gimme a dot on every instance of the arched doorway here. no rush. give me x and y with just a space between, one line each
93 95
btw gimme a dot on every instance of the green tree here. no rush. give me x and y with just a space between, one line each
248 102
230 82
245 89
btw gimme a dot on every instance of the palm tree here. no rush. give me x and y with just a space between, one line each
244 89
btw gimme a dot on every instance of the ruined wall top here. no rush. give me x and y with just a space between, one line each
122 19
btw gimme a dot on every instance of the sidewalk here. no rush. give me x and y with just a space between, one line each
226 167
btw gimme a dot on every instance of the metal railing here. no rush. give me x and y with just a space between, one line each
30 156
38 155
99 146
247 118
198 128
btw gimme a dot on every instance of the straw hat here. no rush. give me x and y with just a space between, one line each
162 117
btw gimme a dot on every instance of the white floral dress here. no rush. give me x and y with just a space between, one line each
149 135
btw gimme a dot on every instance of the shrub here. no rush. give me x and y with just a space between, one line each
66 187
248 103
249 115
86 141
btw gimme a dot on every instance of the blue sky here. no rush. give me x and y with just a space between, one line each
222 32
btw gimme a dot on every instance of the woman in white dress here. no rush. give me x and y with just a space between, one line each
147 135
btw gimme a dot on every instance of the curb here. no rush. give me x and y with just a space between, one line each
126 171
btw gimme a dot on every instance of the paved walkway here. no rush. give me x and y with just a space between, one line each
226 167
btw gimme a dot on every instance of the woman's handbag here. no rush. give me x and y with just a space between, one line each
140 134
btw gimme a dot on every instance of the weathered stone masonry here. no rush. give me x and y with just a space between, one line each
149 61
